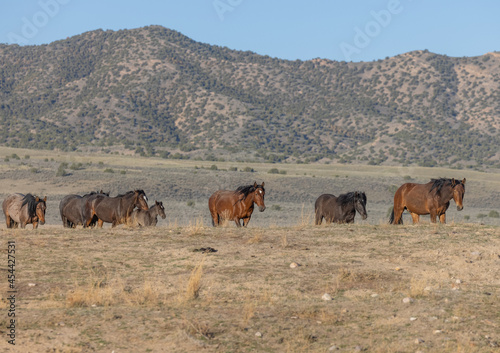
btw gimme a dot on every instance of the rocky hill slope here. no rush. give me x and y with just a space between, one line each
154 91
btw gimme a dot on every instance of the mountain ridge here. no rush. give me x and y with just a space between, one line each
154 91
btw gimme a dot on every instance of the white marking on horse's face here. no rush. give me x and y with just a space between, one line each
145 198
260 191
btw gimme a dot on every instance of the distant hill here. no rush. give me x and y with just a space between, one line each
154 91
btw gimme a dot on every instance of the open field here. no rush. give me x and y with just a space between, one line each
147 290
290 194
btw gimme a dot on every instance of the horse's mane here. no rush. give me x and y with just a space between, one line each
141 192
247 189
31 202
439 183
346 199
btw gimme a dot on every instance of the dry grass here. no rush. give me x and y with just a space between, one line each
179 300
257 238
195 227
194 284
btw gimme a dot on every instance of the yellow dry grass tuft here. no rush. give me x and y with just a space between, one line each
195 227
194 285
257 238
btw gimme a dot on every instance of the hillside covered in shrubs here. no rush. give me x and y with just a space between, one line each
155 92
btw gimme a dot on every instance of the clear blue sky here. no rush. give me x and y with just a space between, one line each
357 30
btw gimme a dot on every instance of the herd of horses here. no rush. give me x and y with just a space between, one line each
95 208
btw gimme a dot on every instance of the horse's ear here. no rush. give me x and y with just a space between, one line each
254 184
37 199
453 182
45 199
463 181
262 184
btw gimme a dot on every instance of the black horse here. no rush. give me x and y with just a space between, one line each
71 209
340 209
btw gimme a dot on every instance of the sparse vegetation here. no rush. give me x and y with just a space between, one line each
95 288
224 298
226 104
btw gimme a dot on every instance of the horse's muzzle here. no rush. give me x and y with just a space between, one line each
460 208
262 208
42 223
365 216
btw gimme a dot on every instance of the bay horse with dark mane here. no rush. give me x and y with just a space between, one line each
20 210
236 205
431 199
340 209
115 210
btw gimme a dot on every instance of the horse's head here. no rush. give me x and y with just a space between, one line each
141 200
458 193
360 203
260 192
161 209
41 207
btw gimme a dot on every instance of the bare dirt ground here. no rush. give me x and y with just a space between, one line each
427 288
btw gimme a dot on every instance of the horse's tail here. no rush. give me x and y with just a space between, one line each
391 219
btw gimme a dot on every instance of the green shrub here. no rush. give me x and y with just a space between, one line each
248 170
109 170
61 171
191 203
213 167
276 207
481 215
76 166
493 214
273 171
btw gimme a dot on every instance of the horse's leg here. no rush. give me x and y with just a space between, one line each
245 221
215 219
100 222
415 217
433 217
398 214
8 220
318 219
35 225
442 218
237 221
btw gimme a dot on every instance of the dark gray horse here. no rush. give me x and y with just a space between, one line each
148 218
71 209
340 209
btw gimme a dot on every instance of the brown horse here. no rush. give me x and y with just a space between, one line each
115 210
148 218
72 209
340 209
432 198
20 210
236 205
